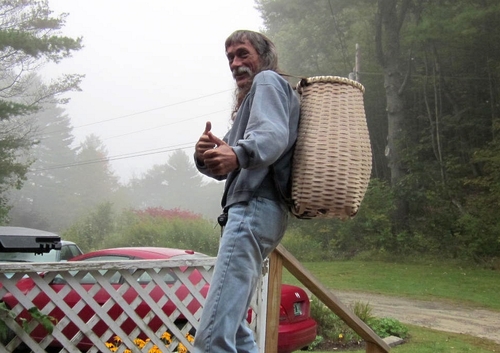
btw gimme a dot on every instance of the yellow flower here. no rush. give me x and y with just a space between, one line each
127 351
111 347
341 336
155 349
139 343
190 338
166 337
181 348
117 339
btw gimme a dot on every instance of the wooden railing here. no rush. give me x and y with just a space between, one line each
281 257
74 275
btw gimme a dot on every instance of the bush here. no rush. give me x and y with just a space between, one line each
151 227
330 326
386 327
303 247
334 329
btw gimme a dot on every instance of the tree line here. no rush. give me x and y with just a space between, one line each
431 71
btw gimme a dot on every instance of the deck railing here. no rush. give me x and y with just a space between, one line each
97 322
97 326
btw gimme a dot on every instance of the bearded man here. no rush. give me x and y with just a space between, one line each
255 160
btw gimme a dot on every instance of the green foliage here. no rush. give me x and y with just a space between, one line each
363 310
305 247
333 329
174 185
46 321
385 327
91 230
4 329
317 341
29 37
162 228
330 326
369 230
443 78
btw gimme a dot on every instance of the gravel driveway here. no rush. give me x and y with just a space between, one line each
435 315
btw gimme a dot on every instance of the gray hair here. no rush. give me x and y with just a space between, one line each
263 45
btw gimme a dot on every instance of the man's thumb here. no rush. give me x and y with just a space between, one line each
208 127
215 139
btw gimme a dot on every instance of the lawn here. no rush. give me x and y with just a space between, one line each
468 285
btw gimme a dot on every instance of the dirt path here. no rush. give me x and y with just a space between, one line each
436 315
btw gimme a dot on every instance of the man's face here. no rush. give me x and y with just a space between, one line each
244 62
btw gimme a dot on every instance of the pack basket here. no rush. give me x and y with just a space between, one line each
332 159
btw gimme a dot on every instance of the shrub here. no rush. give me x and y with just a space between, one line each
386 327
150 227
334 329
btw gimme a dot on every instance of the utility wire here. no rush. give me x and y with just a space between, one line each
151 110
144 111
160 126
121 156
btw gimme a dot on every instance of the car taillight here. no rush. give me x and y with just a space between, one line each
283 316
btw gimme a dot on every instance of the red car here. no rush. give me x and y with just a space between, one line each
296 328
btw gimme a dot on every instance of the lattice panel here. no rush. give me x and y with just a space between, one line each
97 301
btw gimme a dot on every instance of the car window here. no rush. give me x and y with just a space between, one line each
51 256
65 253
74 250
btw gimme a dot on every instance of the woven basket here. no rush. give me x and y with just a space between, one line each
332 159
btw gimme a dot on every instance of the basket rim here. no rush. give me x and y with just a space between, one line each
329 79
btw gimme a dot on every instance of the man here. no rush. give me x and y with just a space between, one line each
255 159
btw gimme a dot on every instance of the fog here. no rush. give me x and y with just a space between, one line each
155 72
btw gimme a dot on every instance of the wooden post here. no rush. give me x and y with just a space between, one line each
273 302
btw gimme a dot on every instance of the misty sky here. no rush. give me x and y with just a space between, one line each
155 72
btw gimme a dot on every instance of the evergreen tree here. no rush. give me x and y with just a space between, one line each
94 182
29 37
176 184
46 200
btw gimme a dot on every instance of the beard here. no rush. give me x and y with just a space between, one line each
241 92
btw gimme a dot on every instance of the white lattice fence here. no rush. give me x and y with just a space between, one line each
98 301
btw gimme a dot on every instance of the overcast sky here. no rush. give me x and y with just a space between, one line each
155 72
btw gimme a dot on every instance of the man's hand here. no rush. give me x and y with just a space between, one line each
204 144
222 159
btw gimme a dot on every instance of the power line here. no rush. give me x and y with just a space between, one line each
152 109
143 111
160 126
121 156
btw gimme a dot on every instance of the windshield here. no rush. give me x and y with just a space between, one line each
51 256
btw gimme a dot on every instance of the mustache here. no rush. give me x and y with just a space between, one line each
242 70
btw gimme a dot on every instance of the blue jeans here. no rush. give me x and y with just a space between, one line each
253 230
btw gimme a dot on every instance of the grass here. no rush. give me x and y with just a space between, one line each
468 285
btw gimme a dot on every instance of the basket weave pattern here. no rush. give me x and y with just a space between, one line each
332 159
